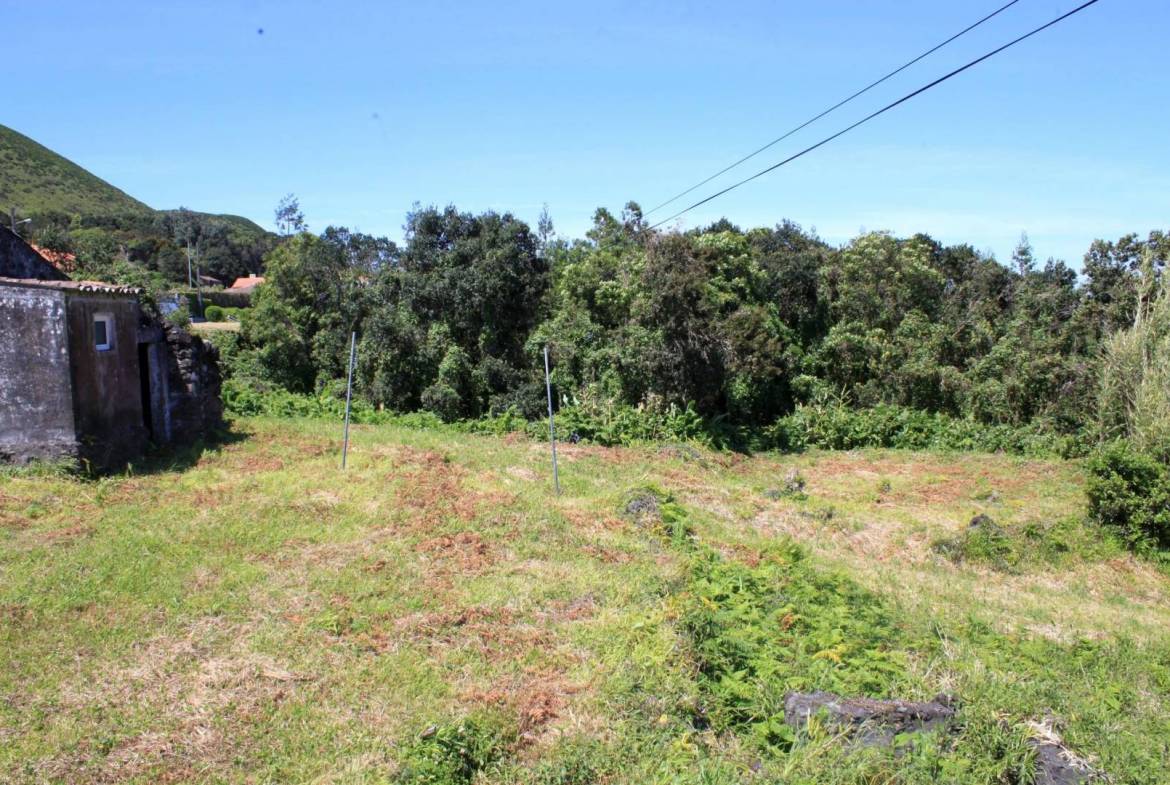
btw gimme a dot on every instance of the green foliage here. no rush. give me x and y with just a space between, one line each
736 329
1012 549
449 319
39 181
834 426
764 339
761 632
623 425
75 211
1134 399
180 317
456 753
575 762
454 394
302 316
1129 493
213 313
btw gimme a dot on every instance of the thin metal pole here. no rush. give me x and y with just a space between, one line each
348 396
552 429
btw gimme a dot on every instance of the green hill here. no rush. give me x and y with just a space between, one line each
75 210
35 180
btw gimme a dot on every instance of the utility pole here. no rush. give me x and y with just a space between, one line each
15 223
199 289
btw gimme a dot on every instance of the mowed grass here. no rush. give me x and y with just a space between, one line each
257 615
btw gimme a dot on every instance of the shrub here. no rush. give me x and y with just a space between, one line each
442 401
1129 492
455 754
838 427
213 313
758 633
180 317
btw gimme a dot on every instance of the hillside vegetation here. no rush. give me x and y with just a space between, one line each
37 181
75 211
434 614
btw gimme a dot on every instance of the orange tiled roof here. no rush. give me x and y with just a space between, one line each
247 282
63 261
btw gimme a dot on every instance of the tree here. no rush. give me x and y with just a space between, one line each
301 318
1134 398
289 218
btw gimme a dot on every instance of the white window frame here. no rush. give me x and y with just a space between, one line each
108 320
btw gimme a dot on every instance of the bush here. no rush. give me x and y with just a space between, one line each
1129 492
623 425
454 754
180 317
838 427
213 313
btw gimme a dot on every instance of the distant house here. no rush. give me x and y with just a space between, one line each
209 280
86 373
247 284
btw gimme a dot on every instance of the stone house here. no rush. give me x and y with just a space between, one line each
87 373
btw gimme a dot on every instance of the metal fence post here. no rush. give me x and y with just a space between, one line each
552 429
348 396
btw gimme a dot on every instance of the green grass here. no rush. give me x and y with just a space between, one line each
435 614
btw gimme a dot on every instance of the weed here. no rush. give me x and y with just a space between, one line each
456 753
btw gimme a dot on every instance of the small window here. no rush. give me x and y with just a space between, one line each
103 332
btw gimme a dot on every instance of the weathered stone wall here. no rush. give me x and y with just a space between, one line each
107 391
194 407
17 260
36 400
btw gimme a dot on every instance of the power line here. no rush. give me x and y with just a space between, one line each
835 106
881 111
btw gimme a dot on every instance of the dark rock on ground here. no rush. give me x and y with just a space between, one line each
1054 766
791 488
871 722
643 506
983 523
683 452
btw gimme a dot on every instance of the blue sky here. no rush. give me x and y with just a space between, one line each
363 109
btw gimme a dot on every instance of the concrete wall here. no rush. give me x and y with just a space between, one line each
36 400
107 392
62 397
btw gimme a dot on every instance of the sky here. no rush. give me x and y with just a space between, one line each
364 109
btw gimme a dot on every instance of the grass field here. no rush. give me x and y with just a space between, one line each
435 614
201 328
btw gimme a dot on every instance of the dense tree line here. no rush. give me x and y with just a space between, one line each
158 243
743 325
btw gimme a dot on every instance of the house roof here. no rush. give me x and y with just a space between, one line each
62 260
248 282
88 287
18 260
